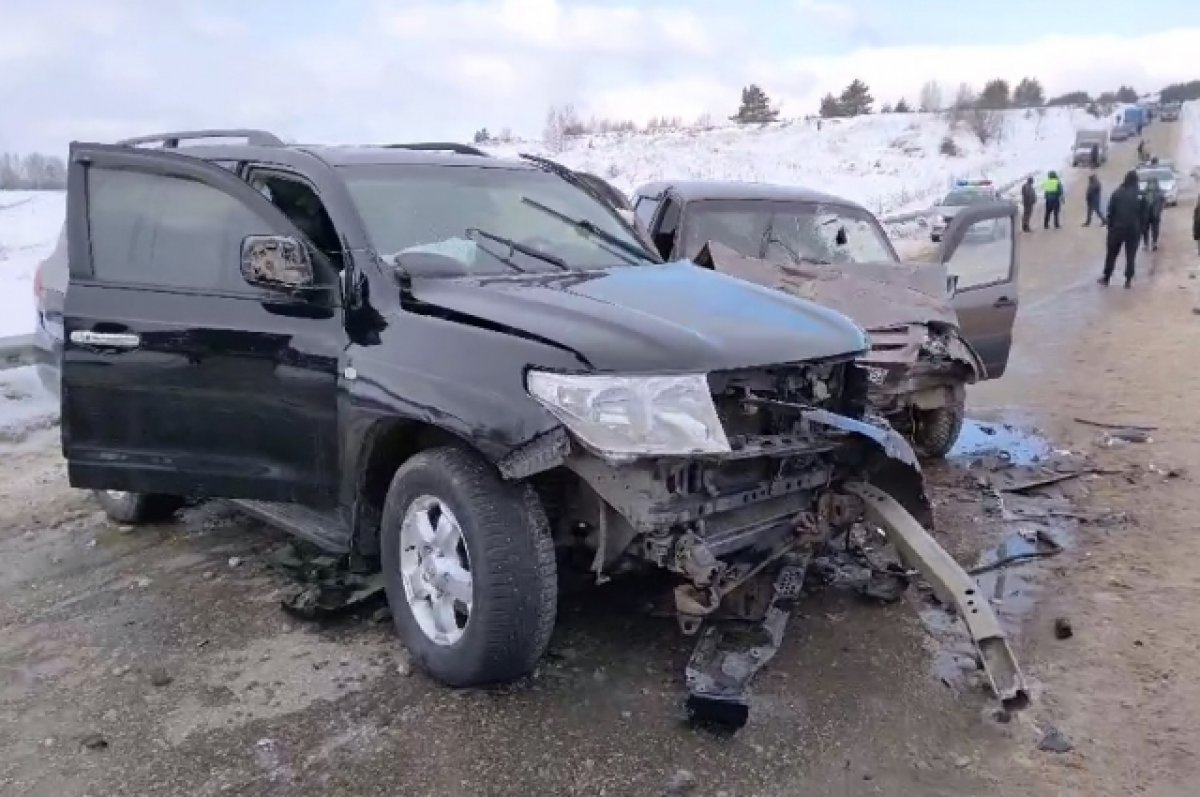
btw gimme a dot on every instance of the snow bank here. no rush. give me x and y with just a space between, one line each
30 222
889 163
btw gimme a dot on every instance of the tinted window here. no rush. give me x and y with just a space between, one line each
419 208
787 231
165 231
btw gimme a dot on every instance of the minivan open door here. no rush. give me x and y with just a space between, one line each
979 250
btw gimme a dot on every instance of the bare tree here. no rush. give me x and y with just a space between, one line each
987 124
931 97
562 122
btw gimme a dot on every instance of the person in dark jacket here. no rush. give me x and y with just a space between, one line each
1141 152
1152 211
1028 200
1095 156
1124 228
1196 225
1052 194
1093 201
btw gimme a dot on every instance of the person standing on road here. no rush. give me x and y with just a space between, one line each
1052 194
1141 152
1196 225
1093 201
1153 209
1028 200
1095 156
1124 228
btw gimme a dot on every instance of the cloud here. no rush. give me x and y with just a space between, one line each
372 70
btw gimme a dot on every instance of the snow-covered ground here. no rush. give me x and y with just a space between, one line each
30 222
888 163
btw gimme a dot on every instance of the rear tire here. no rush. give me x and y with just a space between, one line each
936 431
135 508
499 538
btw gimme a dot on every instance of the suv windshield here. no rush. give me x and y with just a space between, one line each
1162 175
447 210
960 198
795 231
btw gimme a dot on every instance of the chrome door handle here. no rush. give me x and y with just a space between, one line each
108 340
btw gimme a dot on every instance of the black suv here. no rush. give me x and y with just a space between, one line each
470 370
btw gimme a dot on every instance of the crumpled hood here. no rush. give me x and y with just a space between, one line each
873 295
671 318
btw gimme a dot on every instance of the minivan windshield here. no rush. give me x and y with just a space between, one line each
798 232
471 213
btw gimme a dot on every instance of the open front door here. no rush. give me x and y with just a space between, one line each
979 251
179 375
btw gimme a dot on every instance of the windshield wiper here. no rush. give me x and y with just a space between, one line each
514 246
591 229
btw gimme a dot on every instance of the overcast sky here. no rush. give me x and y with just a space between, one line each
376 71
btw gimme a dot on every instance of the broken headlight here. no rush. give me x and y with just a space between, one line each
631 416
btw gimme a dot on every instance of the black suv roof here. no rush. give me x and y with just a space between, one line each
214 147
696 190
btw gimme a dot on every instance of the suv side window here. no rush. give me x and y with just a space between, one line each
150 229
303 207
644 210
668 225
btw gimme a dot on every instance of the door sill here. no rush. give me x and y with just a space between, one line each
323 529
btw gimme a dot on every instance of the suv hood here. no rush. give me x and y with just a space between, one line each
671 318
875 295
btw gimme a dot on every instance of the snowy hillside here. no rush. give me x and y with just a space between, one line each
30 222
889 163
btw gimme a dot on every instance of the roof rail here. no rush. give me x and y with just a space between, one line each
259 138
442 146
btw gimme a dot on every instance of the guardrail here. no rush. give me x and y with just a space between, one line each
913 215
16 351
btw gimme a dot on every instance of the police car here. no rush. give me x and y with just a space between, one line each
961 194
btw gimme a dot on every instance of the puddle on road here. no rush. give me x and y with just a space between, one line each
1027 524
1006 440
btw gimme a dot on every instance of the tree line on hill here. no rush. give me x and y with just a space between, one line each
32 172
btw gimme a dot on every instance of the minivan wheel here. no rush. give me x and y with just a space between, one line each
136 508
936 431
469 568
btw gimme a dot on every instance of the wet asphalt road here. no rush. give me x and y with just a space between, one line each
158 661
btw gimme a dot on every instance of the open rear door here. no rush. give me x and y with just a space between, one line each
979 251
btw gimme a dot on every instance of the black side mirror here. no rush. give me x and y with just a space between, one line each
276 261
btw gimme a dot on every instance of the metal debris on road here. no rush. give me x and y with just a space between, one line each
327 587
1103 425
1043 545
94 741
1062 628
1055 741
1128 435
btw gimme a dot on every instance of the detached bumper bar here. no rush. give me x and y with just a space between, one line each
952 586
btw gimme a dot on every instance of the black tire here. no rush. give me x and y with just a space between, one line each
512 565
135 509
936 431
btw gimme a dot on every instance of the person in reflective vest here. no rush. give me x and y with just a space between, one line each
1052 194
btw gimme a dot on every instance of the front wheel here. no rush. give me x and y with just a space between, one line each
936 431
469 569
137 508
